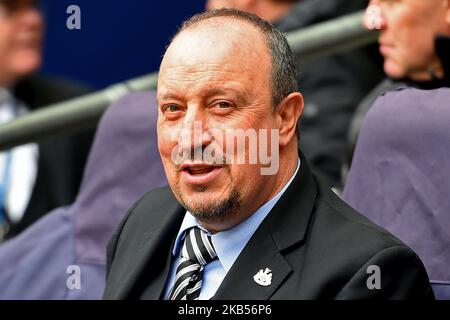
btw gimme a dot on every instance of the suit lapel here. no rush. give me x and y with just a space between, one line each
148 265
285 226
260 254
155 287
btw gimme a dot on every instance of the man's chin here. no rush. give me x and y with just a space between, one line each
26 66
201 200
393 70
205 192
206 205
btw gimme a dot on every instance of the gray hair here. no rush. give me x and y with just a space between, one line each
283 63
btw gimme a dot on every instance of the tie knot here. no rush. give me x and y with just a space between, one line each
198 247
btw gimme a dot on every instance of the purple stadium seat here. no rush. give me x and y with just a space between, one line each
400 175
123 164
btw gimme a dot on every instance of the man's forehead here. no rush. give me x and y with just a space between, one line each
205 77
217 36
212 71
222 25
236 87
216 45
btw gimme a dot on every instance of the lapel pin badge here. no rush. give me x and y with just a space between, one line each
263 277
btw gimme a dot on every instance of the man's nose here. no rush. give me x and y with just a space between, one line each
194 131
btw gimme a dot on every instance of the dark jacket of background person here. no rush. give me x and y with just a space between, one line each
400 176
124 164
332 87
61 160
443 51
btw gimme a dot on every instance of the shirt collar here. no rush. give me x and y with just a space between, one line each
229 243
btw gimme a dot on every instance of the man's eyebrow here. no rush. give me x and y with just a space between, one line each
167 94
225 90
206 93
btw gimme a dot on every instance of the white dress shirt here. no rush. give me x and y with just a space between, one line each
23 162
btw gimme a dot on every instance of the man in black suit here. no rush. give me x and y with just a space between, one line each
230 227
61 160
34 178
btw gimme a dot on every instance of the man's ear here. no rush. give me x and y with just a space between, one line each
288 113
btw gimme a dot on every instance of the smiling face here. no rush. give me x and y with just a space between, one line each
21 32
408 29
218 80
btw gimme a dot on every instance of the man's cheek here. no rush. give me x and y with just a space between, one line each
166 140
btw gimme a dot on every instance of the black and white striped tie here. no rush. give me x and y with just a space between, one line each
197 252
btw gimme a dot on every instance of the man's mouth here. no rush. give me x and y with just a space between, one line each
385 47
199 174
203 170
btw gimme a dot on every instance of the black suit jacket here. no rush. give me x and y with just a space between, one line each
61 159
316 246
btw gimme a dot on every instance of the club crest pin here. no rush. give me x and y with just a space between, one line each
263 277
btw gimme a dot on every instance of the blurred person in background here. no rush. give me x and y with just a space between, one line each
34 178
415 43
400 138
332 86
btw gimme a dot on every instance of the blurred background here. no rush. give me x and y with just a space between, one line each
118 40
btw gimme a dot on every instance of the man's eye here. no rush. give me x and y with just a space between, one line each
223 105
172 108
